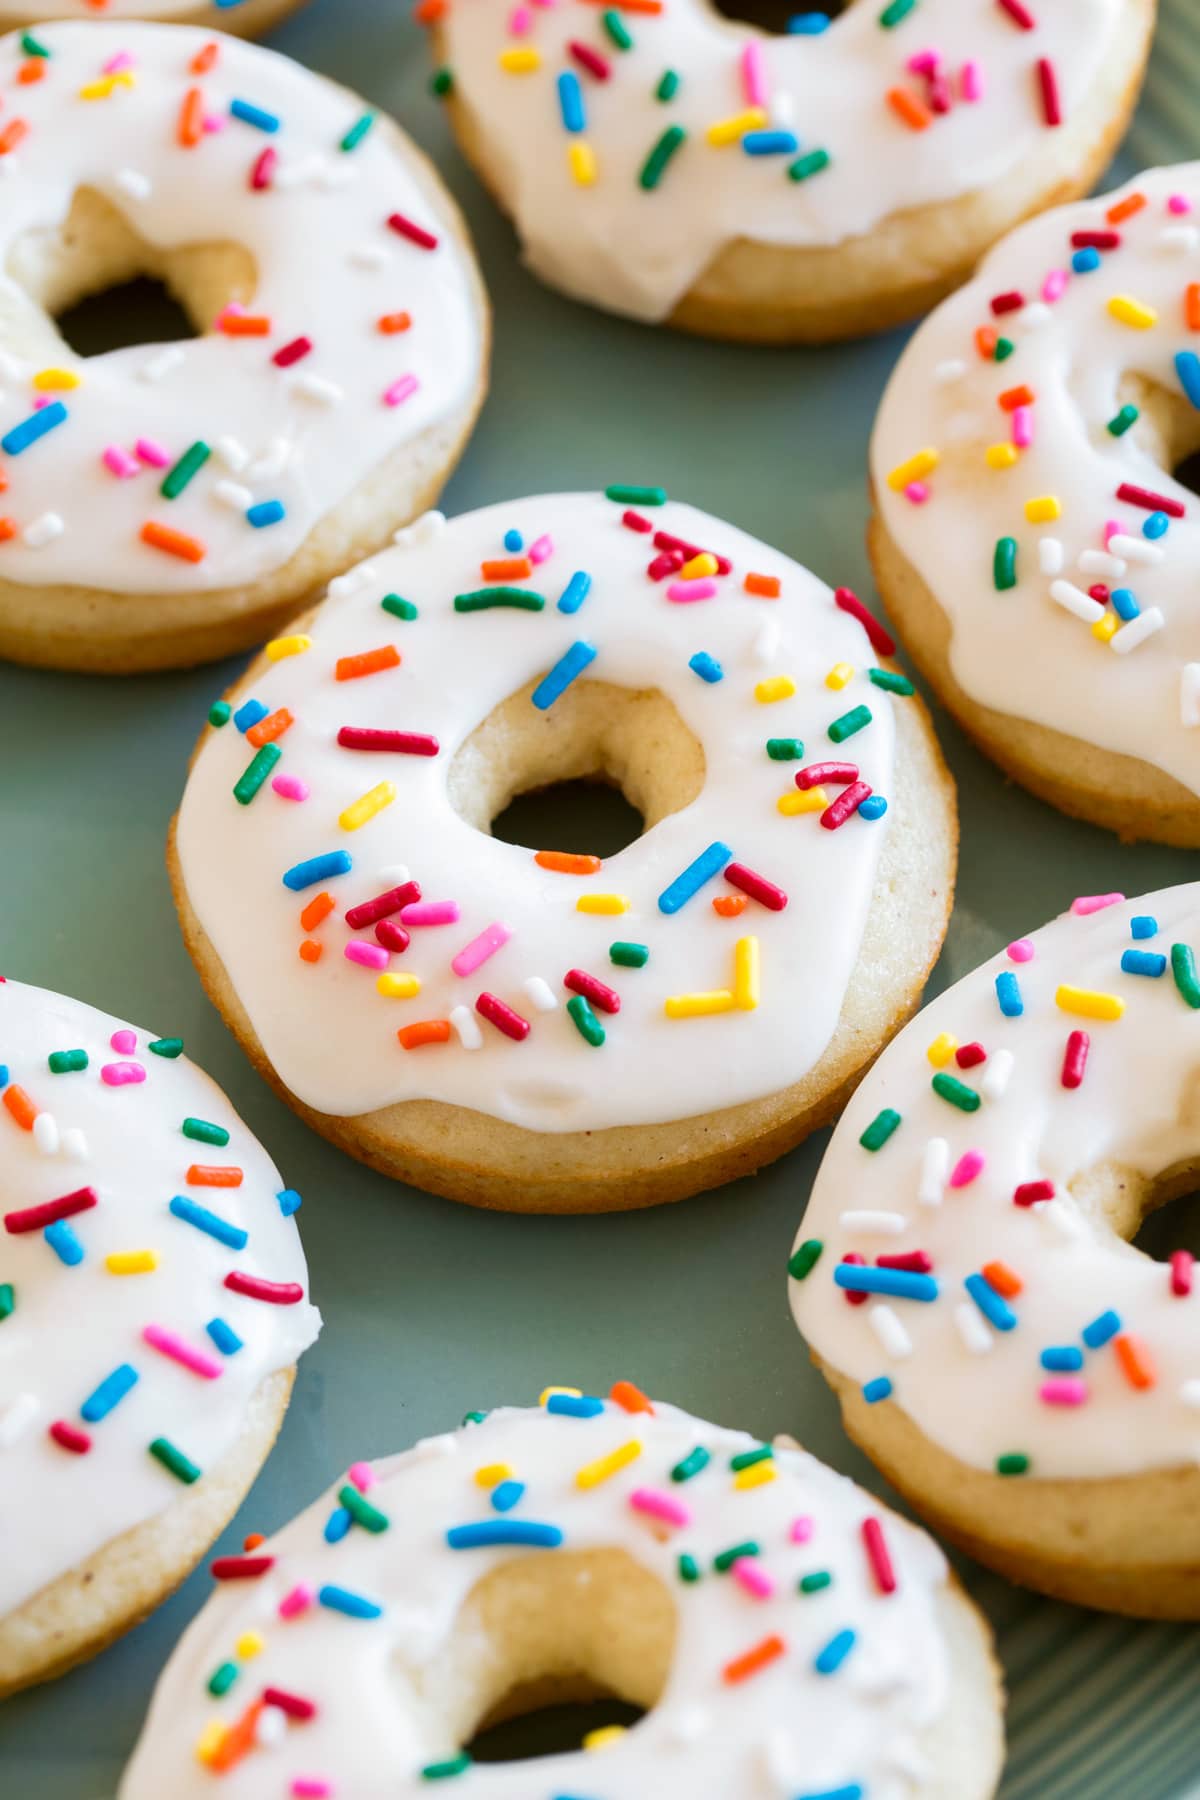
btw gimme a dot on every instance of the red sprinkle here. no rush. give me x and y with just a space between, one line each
878 1556
882 642
664 564
666 540
1075 1059
36 1218
580 982
1030 1192
1096 240
416 234
275 1293
240 1568
845 806
1140 496
292 353
408 743
917 1262
1020 13
502 1017
969 1056
393 937
1048 82
78 1442
635 521
294 1705
1012 301
853 1299
383 905
263 170
817 774
757 886
1182 1264
591 60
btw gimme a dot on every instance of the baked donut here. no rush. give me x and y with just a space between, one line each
247 18
1029 536
788 1632
661 162
168 503
543 1031
152 1307
1025 1377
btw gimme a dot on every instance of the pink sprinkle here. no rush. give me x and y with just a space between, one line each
311 1787
174 1347
754 74
362 1475
430 912
298 1601
801 1529
1021 950
917 492
41 401
119 462
476 953
290 787
1055 285
1066 1390
751 1575
371 956
541 548
1022 427
263 170
1179 203
152 453
117 65
400 390
685 591
1112 528
123 1042
1182 1265
122 1074
879 1556
657 1505
213 122
972 80
925 62
967 1168
1093 903
520 22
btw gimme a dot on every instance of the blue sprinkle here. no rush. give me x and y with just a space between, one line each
355 1606
1084 261
1187 367
318 868
110 1393
1125 603
3 1075
808 24
575 592
249 713
1156 526
570 101
489 1532
565 671
1008 993
993 1306
1063 1358
506 1494
872 808
337 1525
575 1406
224 1337
1143 925
831 1658
34 427
1097 1334
1143 962
706 667
289 1202
254 115
513 541
267 512
770 143
854 1791
65 1245
879 1389
901 1284
209 1222
710 862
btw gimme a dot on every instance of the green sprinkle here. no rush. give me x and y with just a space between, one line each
693 1462
453 1765
655 164
189 464
219 713
222 1679
30 45
724 1560
956 1092
204 1133
897 10
8 1299
256 773
812 1584
810 164
442 84
785 749
849 723
168 1047
361 1510
1015 1462
1004 349
358 132
803 1261
1004 564
880 1129
668 87
1183 968
891 682
1119 425
474 1418
614 24
629 956
483 599
746 1459
399 609
179 1465
635 496
67 1062
689 1568
585 1021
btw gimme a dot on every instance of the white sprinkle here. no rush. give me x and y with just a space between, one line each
891 1224
429 526
234 455
295 174
541 993
467 1027
1189 694
369 256
687 1724
162 364
1189 1393
1137 631
319 388
1033 316
935 1166
1074 600
999 1069
134 184
335 174
445 1444
1136 549
1050 556
1063 1215
271 1727
1180 237
233 495
952 370
352 580
972 1330
395 875
890 1332
1099 562
11 367
15 1419
766 642
75 1144
273 461
43 531
46 1134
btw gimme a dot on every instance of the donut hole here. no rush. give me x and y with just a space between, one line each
776 16
556 764
1167 428
92 283
546 1643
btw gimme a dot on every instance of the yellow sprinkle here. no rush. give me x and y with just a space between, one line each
249 1645
1088 1003
49 380
593 1473
747 968
1106 627
698 1006
101 89
839 675
942 1049
209 1740
602 903
131 1262
806 801
1044 508
1132 312
521 60
757 1475
492 1474
776 687
295 645
368 804
732 130
704 563
582 159
1001 456
571 1393
398 987
603 1737
915 469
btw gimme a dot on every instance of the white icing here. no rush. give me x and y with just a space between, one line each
638 252
1017 651
1136 1108
307 449
221 12
328 1032
71 1327
375 1730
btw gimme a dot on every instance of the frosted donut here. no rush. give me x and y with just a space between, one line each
1029 536
661 162
152 1307
167 503
1026 1378
791 1635
542 1031
248 18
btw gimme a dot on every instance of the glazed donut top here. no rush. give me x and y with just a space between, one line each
632 148
362 332
809 1664
151 1277
966 1188
550 990
1009 472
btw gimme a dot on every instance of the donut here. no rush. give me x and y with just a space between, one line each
248 18
662 162
152 1307
1026 1378
1029 535
168 503
784 1632
546 1030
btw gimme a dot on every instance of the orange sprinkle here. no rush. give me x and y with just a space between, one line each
562 862
1011 398
20 1106
205 59
915 114
634 6
1125 209
12 134
310 951
252 1540
986 339
429 1031
3 481
742 1667
507 568
175 543
728 906
427 12
316 910
1001 1277
214 1175
1137 1364
244 325
367 662
8 529
267 730
31 71
238 1740
767 586
1193 306
391 323
625 1395
191 119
